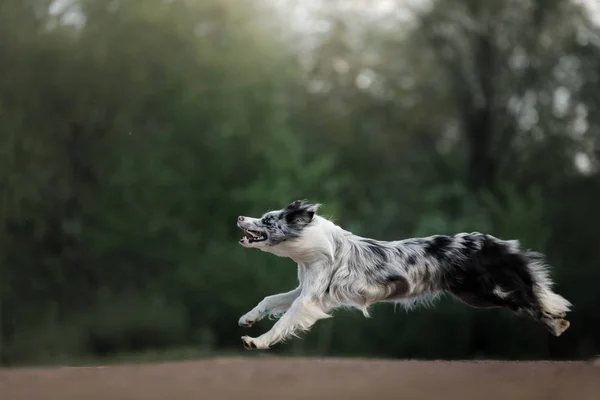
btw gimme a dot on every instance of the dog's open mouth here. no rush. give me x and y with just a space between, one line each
251 236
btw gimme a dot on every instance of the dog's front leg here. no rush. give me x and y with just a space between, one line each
302 314
274 305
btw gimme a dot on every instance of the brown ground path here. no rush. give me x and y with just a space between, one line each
279 378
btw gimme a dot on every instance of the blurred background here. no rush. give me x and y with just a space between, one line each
134 132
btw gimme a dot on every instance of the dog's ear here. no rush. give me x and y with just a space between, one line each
296 205
300 211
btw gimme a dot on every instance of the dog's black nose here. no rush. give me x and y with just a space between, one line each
240 218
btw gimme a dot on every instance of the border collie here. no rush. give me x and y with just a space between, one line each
339 269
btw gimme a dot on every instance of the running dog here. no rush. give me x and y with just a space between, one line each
339 269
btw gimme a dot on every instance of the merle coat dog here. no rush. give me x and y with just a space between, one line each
339 269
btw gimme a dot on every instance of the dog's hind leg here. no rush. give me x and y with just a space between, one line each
521 301
551 303
555 324
271 305
526 300
478 301
553 308
499 273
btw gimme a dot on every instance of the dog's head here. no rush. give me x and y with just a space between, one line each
277 227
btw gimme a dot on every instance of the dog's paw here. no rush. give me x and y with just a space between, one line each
253 344
558 326
245 323
561 327
248 320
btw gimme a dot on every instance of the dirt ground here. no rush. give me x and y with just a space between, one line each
257 378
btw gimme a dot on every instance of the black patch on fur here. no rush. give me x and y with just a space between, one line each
394 278
411 260
494 265
400 287
267 221
469 243
376 249
399 252
298 214
438 246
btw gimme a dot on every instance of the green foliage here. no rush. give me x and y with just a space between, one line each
133 133
42 341
134 322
